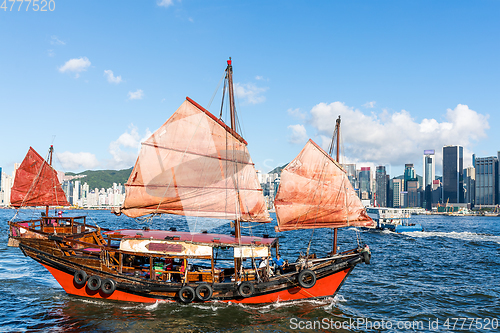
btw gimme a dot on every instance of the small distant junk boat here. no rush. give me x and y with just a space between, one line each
195 165
36 185
393 219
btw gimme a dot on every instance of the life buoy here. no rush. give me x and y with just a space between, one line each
186 294
246 289
306 278
94 283
204 292
80 277
108 286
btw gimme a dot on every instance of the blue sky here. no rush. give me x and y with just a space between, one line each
96 77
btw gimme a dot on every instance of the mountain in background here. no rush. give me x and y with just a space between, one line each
103 178
277 169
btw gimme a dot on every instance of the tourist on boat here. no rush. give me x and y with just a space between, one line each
279 264
263 262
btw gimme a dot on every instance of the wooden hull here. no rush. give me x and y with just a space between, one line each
329 275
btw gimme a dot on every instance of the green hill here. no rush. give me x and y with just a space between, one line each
103 178
277 169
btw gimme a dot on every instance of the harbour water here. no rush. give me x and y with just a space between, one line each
426 281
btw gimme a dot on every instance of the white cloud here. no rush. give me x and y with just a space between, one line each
296 113
165 3
77 161
299 134
125 149
75 66
250 92
51 53
56 41
397 138
139 94
369 105
111 78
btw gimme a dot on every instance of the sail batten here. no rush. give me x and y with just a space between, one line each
315 192
194 153
36 184
195 165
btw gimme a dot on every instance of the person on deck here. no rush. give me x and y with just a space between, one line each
279 263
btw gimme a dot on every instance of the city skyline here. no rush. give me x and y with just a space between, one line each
408 77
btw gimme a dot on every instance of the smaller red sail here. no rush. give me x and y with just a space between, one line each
36 184
315 192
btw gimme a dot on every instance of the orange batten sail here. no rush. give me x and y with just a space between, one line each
195 165
315 192
36 184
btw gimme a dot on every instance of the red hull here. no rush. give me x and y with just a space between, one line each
324 287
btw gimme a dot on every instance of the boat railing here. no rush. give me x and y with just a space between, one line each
57 224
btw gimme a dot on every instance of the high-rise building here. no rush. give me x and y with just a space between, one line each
453 174
413 194
397 190
470 185
350 169
364 182
409 174
389 191
380 186
486 181
428 175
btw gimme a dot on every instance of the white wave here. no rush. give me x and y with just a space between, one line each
467 236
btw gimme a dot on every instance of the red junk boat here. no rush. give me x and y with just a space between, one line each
197 166
37 184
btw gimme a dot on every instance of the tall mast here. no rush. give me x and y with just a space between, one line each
229 71
337 131
51 150
237 229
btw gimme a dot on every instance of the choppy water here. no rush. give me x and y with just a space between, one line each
415 283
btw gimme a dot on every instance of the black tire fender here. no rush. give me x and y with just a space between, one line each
246 289
306 278
186 294
204 292
80 277
94 283
108 286
366 257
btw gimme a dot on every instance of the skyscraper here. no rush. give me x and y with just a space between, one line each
364 182
486 180
380 186
428 175
453 174
409 174
397 190
470 185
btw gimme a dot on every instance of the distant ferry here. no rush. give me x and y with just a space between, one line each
393 219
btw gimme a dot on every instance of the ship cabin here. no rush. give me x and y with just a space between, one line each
184 257
48 225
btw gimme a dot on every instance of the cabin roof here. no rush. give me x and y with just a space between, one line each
190 237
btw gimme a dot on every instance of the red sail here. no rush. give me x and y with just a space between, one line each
315 192
36 184
194 165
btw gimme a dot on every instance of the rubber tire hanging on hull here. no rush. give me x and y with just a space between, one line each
306 278
204 292
366 257
108 286
246 289
186 294
94 283
80 278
